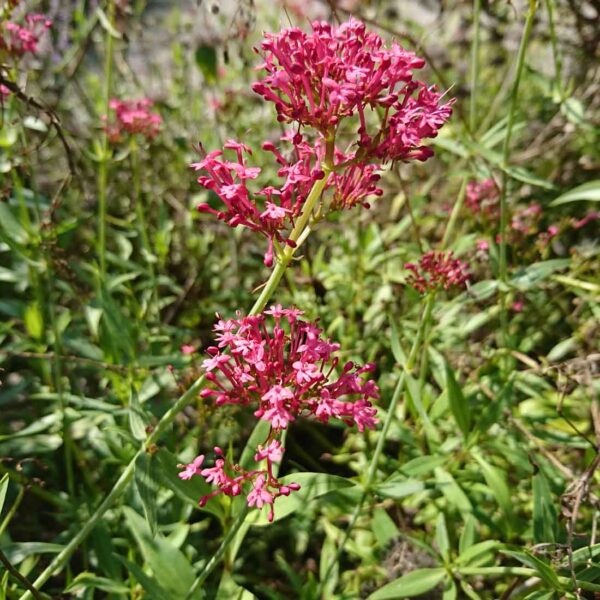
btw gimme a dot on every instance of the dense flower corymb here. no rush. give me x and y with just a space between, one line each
22 39
133 116
228 177
335 72
283 367
437 270
482 197
287 371
317 80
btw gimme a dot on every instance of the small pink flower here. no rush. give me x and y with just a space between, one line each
216 474
187 349
259 496
192 468
273 452
483 246
517 306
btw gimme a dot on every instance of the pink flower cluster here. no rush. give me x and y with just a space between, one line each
335 72
319 79
132 117
22 39
281 205
285 370
526 221
437 270
260 485
482 198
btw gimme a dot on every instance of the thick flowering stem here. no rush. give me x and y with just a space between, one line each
296 237
502 266
103 164
219 554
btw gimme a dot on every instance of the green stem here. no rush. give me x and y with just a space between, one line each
474 65
555 50
423 325
297 237
58 373
121 485
218 555
454 215
410 361
103 164
141 221
512 111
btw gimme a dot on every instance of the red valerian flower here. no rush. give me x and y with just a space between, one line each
337 72
437 270
271 210
22 39
287 371
132 117
482 197
280 364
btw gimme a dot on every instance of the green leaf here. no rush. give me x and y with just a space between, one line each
169 566
521 174
586 191
399 489
467 536
312 485
384 528
87 580
529 277
412 584
137 417
453 492
3 490
258 436
544 569
478 554
458 403
19 551
496 481
441 536
147 487
328 575
230 590
544 511
150 585
206 59
450 590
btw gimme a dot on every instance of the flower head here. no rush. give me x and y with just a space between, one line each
437 270
132 117
286 371
23 39
482 198
335 73
271 211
